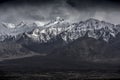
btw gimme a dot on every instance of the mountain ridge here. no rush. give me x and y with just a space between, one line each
92 27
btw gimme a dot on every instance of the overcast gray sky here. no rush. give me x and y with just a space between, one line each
71 10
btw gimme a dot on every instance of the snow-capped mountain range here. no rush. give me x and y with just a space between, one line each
59 27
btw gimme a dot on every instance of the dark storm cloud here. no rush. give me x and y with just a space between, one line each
73 3
26 1
82 4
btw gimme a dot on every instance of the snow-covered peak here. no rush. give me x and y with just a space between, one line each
13 26
57 20
9 30
21 24
8 25
92 20
49 31
39 23
92 28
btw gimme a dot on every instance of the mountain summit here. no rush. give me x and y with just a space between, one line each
67 31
